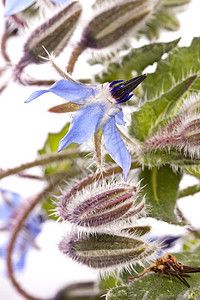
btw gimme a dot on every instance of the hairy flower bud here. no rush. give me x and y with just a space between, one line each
52 35
105 251
93 208
115 21
111 24
182 134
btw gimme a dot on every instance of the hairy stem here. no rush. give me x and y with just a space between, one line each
42 161
191 190
4 53
75 55
15 233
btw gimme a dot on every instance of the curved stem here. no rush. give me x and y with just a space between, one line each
15 233
31 176
75 55
37 82
4 39
191 190
42 161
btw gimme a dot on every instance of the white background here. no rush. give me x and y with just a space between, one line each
23 130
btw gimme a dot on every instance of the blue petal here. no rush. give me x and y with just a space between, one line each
115 146
14 6
84 124
20 264
119 117
33 225
70 91
5 212
7 208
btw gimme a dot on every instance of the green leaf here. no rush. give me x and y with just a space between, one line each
194 171
174 3
172 157
49 206
162 287
51 145
135 60
109 282
166 20
147 119
180 64
120 293
160 186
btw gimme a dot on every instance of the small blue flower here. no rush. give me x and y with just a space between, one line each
10 206
13 7
100 108
168 243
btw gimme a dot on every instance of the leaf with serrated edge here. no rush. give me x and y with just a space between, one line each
180 64
151 113
136 60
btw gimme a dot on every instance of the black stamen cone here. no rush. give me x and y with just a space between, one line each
128 86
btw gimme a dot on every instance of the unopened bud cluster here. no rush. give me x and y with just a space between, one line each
105 233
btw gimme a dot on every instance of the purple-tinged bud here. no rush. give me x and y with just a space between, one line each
52 35
106 251
182 134
111 24
103 206
115 21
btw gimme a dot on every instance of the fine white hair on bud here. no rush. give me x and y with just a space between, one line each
52 35
190 104
115 20
112 24
182 133
106 251
100 205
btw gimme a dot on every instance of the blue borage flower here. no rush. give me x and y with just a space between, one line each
10 207
15 6
97 108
